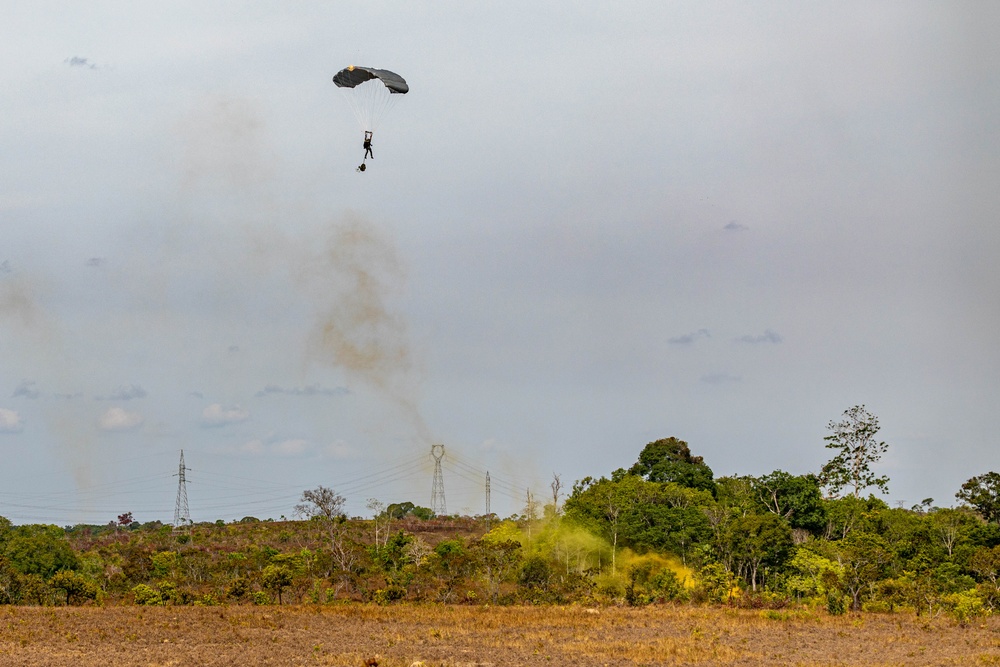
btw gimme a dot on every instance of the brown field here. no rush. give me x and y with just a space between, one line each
439 635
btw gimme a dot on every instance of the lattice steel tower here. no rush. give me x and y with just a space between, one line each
182 515
437 487
488 500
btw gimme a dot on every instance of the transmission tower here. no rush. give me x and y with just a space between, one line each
487 500
182 515
437 487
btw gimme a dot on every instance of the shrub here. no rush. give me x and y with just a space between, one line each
147 595
836 603
964 606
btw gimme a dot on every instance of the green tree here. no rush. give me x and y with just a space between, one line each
496 560
865 558
74 585
670 460
599 504
40 550
795 498
853 437
951 526
276 578
983 494
756 541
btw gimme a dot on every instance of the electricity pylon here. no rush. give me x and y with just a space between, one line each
437 486
182 515
488 500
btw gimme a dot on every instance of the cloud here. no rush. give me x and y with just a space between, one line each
309 390
5 266
10 421
96 262
124 394
216 415
26 390
688 339
767 337
720 378
255 447
340 450
733 226
77 61
120 419
291 447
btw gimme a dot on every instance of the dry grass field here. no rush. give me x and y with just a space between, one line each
438 635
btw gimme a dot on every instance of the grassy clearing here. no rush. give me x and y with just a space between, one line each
441 635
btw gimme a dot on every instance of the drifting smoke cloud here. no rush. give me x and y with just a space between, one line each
357 329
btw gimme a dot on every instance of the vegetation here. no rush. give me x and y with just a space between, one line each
662 530
415 635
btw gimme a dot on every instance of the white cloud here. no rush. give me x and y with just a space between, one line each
119 419
291 447
10 421
255 447
341 450
216 415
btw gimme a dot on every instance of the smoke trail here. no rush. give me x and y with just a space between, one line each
357 330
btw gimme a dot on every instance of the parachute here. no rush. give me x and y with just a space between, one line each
371 92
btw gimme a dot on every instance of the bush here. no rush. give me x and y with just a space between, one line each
147 595
389 594
836 603
965 606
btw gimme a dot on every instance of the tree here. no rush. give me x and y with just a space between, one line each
795 498
496 560
40 550
758 540
865 557
670 460
321 502
276 578
854 439
74 585
951 525
125 520
983 494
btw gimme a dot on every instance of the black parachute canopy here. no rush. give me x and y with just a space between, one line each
352 76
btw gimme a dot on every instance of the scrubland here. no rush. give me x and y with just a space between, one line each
408 634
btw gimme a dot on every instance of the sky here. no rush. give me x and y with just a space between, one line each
584 229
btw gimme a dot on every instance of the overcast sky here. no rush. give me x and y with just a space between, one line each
587 226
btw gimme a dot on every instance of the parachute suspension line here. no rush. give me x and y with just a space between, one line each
369 101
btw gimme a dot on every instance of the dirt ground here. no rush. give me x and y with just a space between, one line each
407 635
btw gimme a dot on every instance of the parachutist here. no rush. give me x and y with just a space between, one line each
368 145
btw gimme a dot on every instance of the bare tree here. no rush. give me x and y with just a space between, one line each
326 505
381 520
556 487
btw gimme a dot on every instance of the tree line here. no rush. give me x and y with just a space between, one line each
663 529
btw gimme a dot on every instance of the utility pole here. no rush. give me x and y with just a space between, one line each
488 501
437 486
182 515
